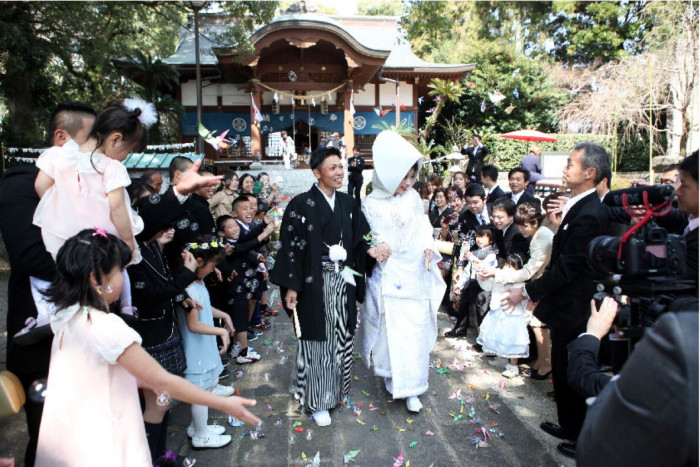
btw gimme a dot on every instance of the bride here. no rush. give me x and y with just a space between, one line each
405 288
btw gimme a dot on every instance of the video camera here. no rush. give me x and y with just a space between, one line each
644 264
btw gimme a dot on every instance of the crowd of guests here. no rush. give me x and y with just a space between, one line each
171 286
164 286
517 270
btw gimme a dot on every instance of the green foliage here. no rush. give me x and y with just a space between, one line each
404 129
506 153
379 8
248 15
57 51
594 32
427 24
500 67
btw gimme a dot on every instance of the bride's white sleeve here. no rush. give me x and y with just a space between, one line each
377 220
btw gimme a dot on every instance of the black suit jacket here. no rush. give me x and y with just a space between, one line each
565 289
355 171
475 160
584 374
199 222
524 198
512 242
494 195
649 416
28 257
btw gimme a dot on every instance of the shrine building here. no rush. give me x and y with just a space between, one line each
310 75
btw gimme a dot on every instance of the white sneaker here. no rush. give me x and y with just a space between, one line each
413 404
211 429
511 371
498 362
211 441
223 391
250 357
322 418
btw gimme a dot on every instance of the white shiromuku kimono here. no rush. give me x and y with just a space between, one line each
399 325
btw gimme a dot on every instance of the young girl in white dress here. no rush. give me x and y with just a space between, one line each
199 340
504 330
92 414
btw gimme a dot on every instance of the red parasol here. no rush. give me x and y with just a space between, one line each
529 135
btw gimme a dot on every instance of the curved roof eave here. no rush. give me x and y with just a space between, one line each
306 23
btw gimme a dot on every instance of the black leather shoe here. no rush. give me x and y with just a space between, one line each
539 377
456 332
567 449
555 430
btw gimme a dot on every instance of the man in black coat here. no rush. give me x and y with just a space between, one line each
356 164
29 258
324 305
489 178
518 179
688 203
476 153
475 302
564 291
648 415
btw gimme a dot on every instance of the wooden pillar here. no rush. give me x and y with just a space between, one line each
348 121
255 146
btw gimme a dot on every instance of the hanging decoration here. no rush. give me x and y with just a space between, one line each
292 76
483 106
293 96
496 96
276 97
516 93
166 147
509 109
256 111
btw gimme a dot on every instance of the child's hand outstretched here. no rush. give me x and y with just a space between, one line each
236 406
191 180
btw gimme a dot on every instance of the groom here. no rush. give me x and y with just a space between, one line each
308 278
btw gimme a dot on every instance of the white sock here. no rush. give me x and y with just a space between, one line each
200 416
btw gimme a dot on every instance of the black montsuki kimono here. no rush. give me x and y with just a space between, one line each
309 227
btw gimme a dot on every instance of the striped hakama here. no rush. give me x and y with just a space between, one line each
324 368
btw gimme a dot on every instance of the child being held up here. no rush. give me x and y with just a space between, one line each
468 262
504 330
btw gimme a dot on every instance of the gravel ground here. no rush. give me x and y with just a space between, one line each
439 433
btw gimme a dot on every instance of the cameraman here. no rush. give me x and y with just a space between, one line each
648 414
681 221
688 203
